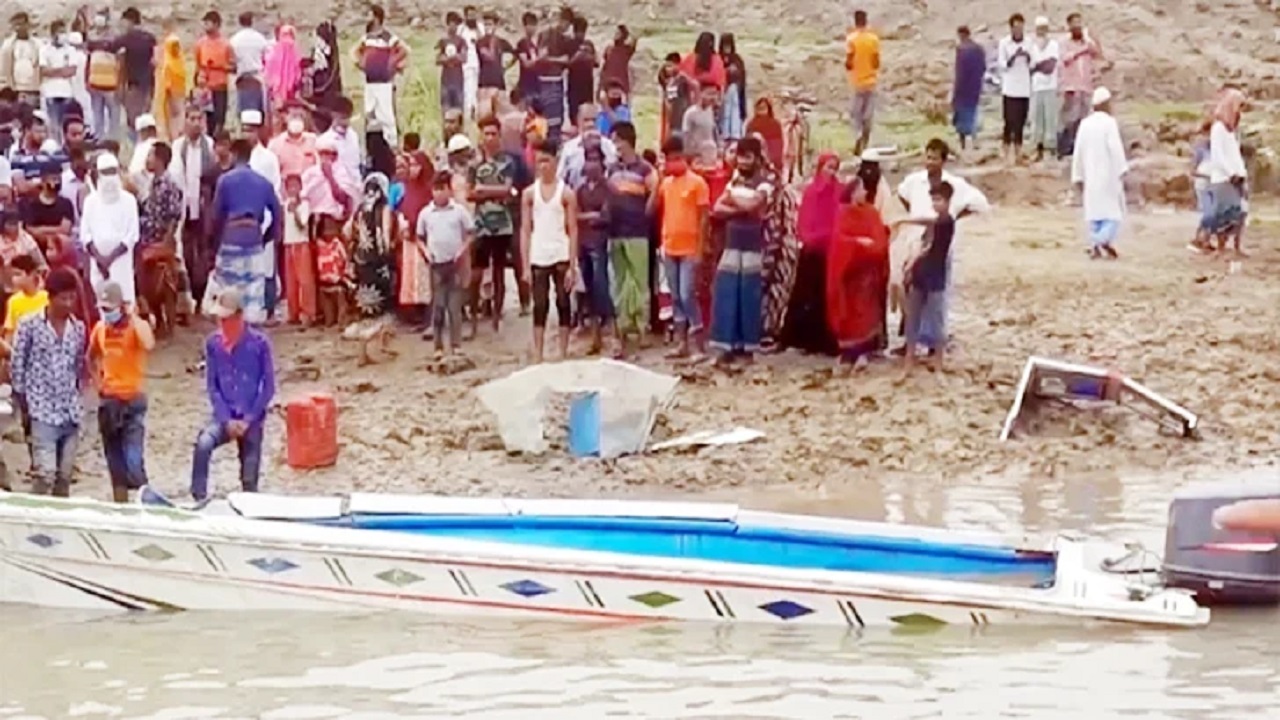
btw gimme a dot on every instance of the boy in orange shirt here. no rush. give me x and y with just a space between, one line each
682 203
118 348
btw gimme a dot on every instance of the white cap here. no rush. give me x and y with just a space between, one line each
458 143
146 121
324 143
1042 21
251 117
1100 96
107 161
879 154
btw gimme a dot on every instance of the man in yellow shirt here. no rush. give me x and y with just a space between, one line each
862 61
27 297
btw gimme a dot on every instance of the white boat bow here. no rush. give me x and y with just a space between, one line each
274 552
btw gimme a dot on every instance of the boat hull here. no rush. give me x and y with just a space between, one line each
80 554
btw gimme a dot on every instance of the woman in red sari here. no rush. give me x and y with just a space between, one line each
858 276
806 327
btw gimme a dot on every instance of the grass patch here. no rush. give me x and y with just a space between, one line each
1160 111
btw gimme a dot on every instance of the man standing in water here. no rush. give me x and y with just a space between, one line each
1097 171
549 247
241 381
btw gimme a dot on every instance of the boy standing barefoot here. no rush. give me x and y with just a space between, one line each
926 278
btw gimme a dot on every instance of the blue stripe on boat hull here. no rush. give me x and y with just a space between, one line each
724 541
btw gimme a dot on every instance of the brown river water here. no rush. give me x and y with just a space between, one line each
297 666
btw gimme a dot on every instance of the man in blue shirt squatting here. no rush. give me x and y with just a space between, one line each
241 380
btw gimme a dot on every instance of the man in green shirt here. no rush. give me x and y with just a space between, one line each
493 192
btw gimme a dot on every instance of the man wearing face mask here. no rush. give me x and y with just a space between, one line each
118 350
48 216
110 229
615 108
240 377
295 147
340 134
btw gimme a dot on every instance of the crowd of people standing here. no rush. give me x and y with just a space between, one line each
690 237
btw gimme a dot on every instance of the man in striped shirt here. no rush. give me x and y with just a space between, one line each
381 56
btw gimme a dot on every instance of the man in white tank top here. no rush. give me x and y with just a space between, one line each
549 247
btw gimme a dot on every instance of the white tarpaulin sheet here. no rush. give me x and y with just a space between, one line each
630 400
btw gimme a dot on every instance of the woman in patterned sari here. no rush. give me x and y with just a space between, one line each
372 259
717 177
781 255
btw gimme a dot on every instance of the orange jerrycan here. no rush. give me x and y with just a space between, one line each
311 431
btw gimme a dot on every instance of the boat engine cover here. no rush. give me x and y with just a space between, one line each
1221 567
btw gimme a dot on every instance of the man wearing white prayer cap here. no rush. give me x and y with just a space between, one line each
109 229
1045 104
265 163
1098 166
139 177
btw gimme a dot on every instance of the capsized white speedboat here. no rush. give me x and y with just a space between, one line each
609 560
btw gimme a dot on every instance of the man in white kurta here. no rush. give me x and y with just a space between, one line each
109 229
913 193
1098 166
265 163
